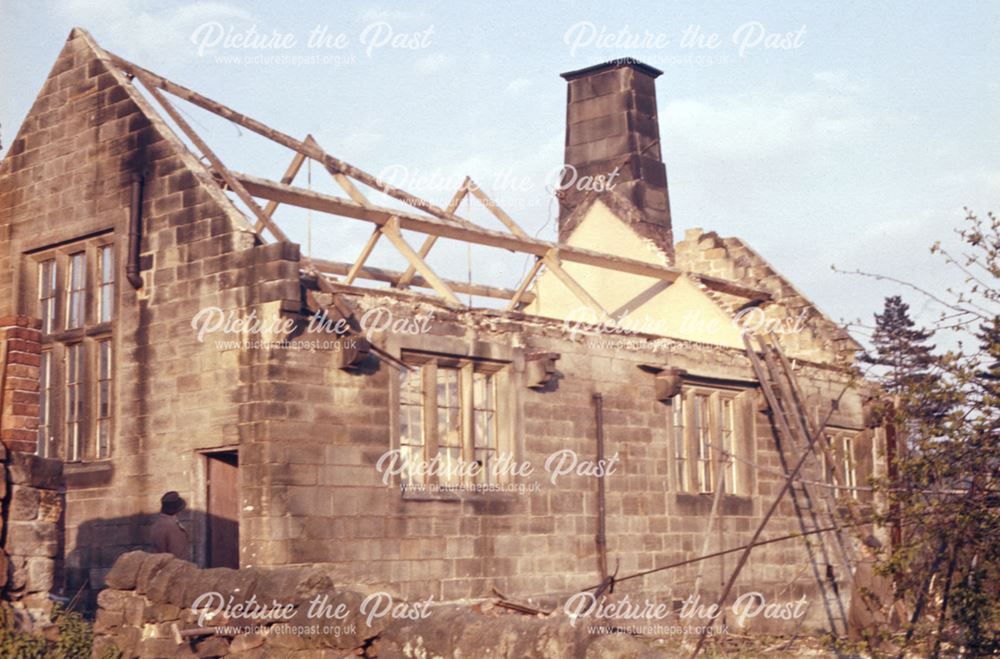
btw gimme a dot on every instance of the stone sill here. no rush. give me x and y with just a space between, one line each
78 333
738 505
87 474
81 466
458 496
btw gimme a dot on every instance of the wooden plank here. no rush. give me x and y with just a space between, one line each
467 394
552 263
287 178
430 382
456 199
251 203
392 276
317 153
216 163
310 150
358 198
393 234
497 212
551 259
352 274
268 189
522 290
223 510
351 189
407 276
345 311
344 182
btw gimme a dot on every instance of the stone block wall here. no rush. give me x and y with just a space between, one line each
67 175
32 544
313 493
814 338
155 606
612 136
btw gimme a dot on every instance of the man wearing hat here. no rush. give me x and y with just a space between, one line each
167 535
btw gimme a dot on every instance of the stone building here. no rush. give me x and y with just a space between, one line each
117 235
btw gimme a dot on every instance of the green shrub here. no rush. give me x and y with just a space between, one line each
74 641
15 644
76 636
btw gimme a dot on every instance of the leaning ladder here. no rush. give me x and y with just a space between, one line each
794 428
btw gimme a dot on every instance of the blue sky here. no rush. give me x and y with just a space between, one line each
857 145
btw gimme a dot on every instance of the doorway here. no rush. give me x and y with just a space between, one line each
222 497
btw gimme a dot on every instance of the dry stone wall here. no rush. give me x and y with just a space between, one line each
158 606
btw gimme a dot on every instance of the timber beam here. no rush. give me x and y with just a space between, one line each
294 196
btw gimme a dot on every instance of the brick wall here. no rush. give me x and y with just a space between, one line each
19 349
31 486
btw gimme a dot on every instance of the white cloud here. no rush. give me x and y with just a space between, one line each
147 30
358 144
838 81
516 86
979 187
762 125
431 63
375 14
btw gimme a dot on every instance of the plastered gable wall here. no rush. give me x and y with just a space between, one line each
678 309
683 309
67 175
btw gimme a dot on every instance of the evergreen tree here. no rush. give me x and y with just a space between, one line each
900 347
946 490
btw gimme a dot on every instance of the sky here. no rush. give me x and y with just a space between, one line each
848 133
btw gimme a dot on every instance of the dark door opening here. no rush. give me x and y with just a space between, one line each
223 511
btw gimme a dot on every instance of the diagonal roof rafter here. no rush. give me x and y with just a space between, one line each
333 205
434 222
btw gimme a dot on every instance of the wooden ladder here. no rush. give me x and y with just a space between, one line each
794 428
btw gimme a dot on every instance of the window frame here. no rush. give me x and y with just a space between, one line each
703 427
76 296
842 444
75 417
47 297
696 472
45 447
732 470
96 306
104 417
103 251
428 366
486 477
678 416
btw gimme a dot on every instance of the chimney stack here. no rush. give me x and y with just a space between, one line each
612 125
